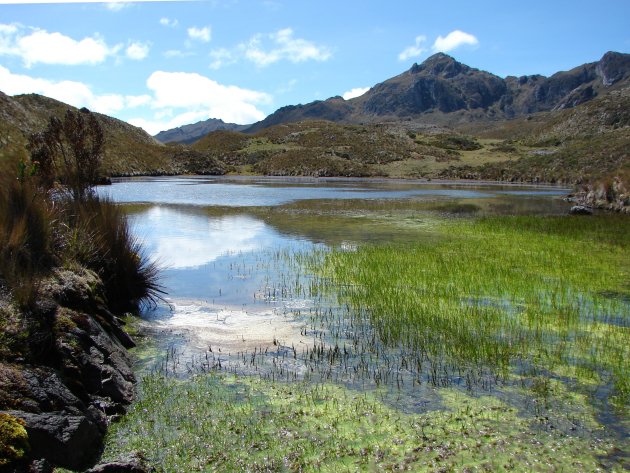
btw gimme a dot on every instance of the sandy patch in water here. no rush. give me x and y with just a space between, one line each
234 329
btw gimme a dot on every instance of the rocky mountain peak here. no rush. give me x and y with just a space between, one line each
439 65
613 67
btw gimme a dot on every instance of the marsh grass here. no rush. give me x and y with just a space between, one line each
521 296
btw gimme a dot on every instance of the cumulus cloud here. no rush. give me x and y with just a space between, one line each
39 46
179 98
454 40
137 51
170 22
73 93
415 50
356 92
284 46
200 34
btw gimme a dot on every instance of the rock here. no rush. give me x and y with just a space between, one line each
134 463
580 210
70 441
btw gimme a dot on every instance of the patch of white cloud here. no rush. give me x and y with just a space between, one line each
171 53
73 93
38 46
117 5
356 92
417 49
169 22
200 34
454 40
221 57
284 46
202 98
137 51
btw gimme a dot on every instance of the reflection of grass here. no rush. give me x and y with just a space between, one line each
223 423
502 291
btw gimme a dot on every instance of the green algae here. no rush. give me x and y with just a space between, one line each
225 423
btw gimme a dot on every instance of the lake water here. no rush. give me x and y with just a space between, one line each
227 245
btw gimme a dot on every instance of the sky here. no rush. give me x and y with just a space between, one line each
163 64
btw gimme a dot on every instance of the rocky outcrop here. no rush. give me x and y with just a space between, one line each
76 377
613 194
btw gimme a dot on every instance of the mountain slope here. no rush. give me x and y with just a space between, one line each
442 90
128 150
188 134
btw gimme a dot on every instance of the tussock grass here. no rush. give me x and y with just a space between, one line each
39 230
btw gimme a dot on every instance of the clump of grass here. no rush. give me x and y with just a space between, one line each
41 229
99 238
26 235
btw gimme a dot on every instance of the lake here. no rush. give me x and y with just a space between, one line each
227 244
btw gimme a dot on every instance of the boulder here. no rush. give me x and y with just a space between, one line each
580 210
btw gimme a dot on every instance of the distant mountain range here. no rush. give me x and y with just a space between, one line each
439 119
445 91
188 134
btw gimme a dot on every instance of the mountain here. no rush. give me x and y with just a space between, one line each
188 134
128 150
443 90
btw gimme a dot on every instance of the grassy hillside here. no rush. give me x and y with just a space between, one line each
129 150
322 148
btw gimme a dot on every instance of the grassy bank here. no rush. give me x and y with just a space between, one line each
498 344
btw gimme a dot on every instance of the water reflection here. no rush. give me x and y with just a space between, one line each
180 238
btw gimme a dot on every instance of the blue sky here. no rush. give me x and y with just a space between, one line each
164 64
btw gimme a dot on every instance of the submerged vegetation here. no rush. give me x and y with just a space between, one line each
496 344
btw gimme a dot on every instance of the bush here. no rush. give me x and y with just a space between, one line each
13 440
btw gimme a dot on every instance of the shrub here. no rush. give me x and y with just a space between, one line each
13 440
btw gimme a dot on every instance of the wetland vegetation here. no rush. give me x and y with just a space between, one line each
434 335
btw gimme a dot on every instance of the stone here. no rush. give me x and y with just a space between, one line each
70 441
134 463
580 210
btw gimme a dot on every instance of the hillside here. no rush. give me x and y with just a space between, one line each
445 91
188 134
129 150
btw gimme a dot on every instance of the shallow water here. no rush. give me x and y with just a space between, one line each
226 244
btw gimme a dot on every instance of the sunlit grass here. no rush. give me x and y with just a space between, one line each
521 293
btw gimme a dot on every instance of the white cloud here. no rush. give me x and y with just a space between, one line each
170 22
179 98
200 34
285 46
117 5
221 57
356 92
73 93
177 53
137 51
454 40
40 46
413 51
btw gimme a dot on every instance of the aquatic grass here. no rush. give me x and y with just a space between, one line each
521 292
219 422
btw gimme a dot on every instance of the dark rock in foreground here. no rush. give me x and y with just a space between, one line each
76 376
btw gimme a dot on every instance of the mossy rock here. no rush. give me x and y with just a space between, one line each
13 440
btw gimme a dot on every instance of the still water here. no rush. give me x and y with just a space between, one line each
226 245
